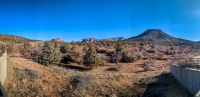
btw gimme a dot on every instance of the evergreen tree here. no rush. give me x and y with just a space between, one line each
119 47
49 55
57 56
65 48
91 58
118 50
56 45
76 54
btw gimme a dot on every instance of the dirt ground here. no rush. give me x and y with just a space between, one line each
27 78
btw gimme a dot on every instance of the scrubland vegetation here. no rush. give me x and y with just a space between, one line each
96 69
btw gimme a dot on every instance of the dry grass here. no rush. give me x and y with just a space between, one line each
28 78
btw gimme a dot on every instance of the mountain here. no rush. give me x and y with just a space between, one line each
88 40
156 35
113 39
57 40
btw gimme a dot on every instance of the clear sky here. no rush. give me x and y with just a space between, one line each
77 19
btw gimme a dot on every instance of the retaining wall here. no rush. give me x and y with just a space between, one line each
187 77
3 67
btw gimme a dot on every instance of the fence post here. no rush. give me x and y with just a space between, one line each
187 63
197 63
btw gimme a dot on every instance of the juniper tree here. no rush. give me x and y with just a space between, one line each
118 50
91 58
49 55
57 56
76 54
56 45
119 47
65 48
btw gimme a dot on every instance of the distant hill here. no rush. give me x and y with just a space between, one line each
88 40
156 35
57 40
6 38
153 34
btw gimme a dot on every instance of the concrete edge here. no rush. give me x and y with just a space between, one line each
197 94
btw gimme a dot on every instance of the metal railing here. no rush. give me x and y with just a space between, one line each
193 63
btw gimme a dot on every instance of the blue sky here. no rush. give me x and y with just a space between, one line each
77 19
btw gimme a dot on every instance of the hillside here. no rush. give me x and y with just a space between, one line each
6 38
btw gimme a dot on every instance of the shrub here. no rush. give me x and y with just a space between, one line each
129 56
117 67
76 54
31 53
115 58
148 65
65 58
57 56
104 59
140 55
151 51
10 49
83 84
49 55
91 58
119 47
160 55
170 52
64 48
25 47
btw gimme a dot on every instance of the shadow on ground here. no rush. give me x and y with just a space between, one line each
165 85
72 67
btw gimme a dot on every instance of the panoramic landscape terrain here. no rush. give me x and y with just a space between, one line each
99 48
130 67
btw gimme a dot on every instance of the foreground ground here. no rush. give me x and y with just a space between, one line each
27 78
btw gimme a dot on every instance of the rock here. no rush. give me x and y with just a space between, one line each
57 40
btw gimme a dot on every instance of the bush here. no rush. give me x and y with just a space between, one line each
65 58
49 55
117 67
140 55
104 59
148 65
115 58
76 54
10 49
91 58
32 53
65 48
170 52
119 47
57 56
82 84
151 51
129 56
117 55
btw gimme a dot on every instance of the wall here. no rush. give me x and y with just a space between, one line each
187 77
3 67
